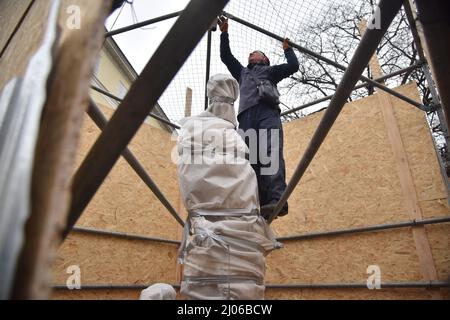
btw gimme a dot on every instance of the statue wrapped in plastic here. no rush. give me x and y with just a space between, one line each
225 239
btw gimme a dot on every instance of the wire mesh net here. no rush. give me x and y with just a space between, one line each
284 18
327 27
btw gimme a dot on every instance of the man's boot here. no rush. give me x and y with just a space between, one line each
267 209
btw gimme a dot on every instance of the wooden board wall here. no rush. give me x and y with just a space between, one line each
124 203
107 260
352 182
11 15
353 179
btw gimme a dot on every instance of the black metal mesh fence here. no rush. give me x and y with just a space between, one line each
323 26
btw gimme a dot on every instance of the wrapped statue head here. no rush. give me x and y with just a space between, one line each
222 91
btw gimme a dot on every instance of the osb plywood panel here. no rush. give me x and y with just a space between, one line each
123 202
353 179
109 260
364 294
346 258
434 208
11 12
439 238
418 145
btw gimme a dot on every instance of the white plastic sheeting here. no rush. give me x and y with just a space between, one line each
224 257
225 239
213 172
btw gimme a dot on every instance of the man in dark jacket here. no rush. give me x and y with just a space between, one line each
261 117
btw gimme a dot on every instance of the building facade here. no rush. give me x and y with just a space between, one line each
115 74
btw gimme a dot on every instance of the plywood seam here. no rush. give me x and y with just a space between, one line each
16 28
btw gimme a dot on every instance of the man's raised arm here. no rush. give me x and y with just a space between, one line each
279 72
233 65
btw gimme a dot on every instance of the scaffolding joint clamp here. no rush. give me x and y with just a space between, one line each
432 107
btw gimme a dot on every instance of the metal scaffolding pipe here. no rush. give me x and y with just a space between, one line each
122 235
286 238
366 229
331 62
366 84
390 285
110 286
208 66
142 24
140 100
100 120
387 285
109 94
360 59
